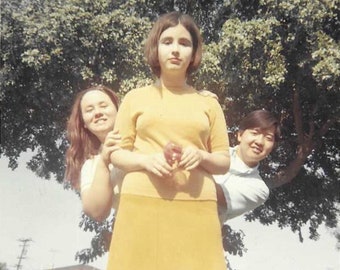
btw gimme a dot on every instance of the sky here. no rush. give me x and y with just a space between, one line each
43 211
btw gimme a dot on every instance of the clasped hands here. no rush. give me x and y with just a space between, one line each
159 165
111 144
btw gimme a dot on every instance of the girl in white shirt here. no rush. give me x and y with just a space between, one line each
92 140
242 189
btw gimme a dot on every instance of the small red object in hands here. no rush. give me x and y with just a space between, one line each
172 153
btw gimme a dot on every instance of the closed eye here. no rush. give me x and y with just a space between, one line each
89 109
166 41
185 42
270 138
254 132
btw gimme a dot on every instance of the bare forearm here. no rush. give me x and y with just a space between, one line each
97 199
215 163
128 161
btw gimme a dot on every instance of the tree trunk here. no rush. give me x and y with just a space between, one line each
306 144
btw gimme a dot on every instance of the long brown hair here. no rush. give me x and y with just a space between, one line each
164 22
82 143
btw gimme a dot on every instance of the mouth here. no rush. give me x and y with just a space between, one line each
175 60
100 120
257 150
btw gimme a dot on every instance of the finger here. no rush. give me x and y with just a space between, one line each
112 141
156 172
113 148
191 166
185 161
164 169
117 137
191 162
167 167
163 163
112 133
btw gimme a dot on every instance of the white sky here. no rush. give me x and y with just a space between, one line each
43 211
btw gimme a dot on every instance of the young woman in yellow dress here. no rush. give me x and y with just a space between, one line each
167 217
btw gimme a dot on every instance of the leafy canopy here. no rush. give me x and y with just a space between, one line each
283 56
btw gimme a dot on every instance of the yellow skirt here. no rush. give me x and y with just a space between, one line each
158 234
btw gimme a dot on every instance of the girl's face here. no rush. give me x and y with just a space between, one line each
175 49
98 112
255 144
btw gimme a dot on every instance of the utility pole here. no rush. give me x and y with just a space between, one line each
23 251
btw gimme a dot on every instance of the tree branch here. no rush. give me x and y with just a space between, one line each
306 144
297 115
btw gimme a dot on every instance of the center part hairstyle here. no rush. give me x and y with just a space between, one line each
164 22
82 143
261 119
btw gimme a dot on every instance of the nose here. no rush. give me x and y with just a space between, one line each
175 48
259 139
98 112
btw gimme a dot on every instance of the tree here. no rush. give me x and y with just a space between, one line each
286 58
51 49
283 56
47 58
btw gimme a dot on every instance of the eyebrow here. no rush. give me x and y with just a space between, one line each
171 38
262 130
99 103
187 40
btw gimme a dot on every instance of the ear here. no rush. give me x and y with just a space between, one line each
239 135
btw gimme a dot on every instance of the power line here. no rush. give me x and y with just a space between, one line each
23 251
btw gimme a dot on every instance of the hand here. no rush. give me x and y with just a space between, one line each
172 153
110 145
191 158
158 165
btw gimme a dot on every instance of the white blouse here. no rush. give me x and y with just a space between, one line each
87 175
243 188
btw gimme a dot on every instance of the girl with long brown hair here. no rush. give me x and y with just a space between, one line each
91 141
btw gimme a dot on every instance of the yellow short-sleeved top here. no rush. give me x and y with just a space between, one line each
150 117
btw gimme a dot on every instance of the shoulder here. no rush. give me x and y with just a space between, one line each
206 97
136 98
207 93
210 100
87 171
137 95
140 90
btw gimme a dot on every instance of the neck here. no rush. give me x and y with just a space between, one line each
173 83
249 163
101 138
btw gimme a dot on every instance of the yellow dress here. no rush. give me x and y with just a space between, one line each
161 225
